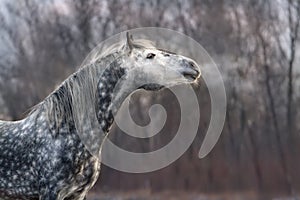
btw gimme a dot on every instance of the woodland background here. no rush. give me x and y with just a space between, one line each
255 44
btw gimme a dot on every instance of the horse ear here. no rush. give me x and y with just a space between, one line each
129 41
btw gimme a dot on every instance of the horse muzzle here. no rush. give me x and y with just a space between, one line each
190 70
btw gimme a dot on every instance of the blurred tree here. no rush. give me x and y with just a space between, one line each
254 42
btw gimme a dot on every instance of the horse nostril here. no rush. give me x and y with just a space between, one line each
192 65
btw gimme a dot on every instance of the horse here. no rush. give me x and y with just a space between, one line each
43 157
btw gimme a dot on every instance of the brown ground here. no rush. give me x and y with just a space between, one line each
146 195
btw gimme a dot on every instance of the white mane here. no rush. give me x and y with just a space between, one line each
79 91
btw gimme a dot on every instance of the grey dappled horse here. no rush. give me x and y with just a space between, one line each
43 157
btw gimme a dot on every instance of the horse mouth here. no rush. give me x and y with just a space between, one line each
191 74
190 77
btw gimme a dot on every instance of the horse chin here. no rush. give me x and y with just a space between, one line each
191 80
152 87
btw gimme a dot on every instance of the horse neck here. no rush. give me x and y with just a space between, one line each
109 95
93 89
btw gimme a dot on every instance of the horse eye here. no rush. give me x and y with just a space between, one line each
150 55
